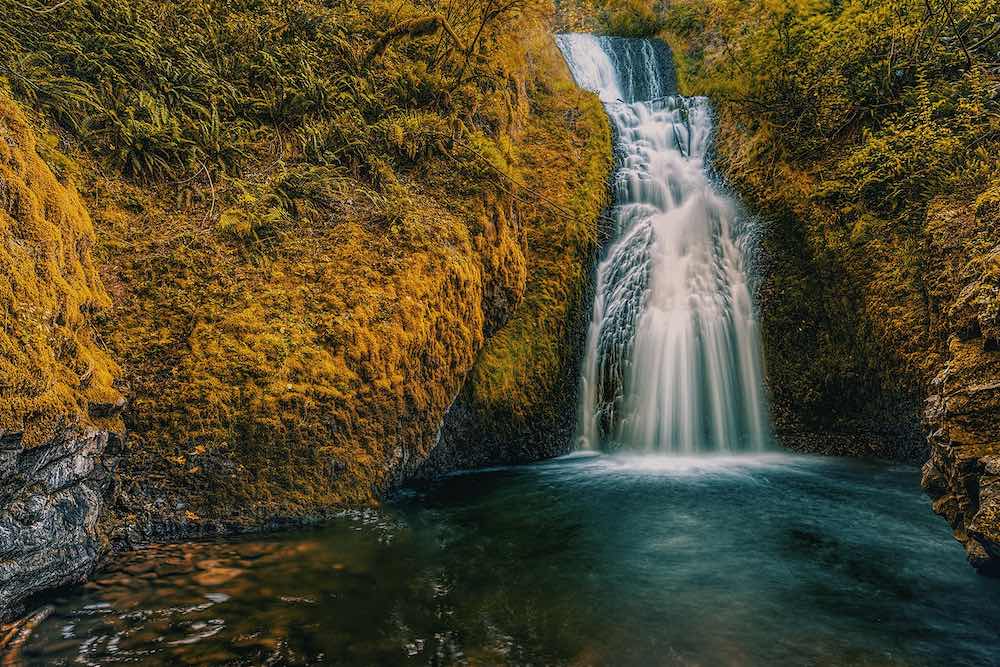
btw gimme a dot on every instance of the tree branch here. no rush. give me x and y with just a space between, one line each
419 27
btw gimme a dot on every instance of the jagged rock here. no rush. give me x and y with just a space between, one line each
985 525
962 476
51 498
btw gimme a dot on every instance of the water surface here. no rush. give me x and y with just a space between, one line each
587 560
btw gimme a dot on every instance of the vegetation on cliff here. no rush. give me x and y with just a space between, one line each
622 18
853 126
523 384
310 219
53 373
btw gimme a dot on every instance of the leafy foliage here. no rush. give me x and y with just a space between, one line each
625 18
166 90
905 94
865 130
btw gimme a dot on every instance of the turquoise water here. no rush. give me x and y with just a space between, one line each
586 560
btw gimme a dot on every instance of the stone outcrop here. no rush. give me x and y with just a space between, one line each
962 476
51 501
59 403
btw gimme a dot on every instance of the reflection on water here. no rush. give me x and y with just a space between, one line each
586 560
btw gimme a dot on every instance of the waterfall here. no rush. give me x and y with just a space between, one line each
672 362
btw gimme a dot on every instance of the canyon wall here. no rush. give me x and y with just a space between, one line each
962 411
293 276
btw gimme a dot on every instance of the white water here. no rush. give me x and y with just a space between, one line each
672 361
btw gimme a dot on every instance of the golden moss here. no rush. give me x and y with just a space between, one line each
305 256
51 368
297 374
566 146
292 340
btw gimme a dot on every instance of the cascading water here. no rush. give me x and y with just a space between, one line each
672 361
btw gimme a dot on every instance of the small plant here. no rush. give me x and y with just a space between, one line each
414 136
146 141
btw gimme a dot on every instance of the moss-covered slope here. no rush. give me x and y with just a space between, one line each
53 373
866 134
310 218
520 398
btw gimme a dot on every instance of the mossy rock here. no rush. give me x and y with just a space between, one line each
53 372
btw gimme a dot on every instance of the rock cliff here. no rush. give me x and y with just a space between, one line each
962 412
963 473
59 429
291 282
53 500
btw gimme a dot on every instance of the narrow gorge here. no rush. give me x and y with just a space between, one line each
589 332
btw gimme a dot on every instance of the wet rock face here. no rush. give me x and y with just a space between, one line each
962 476
51 499
472 436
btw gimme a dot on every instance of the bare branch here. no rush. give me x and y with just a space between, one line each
419 27
45 10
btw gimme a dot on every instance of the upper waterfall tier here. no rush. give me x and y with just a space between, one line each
672 361
620 69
